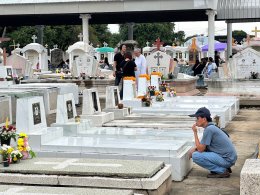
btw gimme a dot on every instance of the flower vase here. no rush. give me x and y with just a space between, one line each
6 142
152 93
6 163
25 155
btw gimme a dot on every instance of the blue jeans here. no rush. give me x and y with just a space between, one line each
211 161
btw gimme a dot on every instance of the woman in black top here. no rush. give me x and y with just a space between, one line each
128 65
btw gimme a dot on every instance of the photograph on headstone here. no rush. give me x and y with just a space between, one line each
69 109
116 97
94 98
36 113
9 72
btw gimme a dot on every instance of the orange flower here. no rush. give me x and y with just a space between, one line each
157 73
144 76
140 97
129 78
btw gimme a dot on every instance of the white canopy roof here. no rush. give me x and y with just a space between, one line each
34 46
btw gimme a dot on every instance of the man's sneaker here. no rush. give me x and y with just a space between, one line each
229 170
226 174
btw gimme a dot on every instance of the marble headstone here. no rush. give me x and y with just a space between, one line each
245 62
30 115
155 82
158 62
66 109
6 109
56 57
112 96
129 92
91 103
86 64
142 86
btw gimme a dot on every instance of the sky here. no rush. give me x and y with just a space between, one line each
191 28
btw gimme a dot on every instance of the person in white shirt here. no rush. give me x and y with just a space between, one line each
140 62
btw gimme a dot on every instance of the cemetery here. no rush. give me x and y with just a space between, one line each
69 126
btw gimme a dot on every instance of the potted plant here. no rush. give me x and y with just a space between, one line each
120 106
172 92
151 90
159 97
146 101
6 133
254 75
163 87
23 146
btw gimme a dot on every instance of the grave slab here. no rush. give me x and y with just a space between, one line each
115 174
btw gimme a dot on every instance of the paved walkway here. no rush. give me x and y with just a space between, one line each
244 131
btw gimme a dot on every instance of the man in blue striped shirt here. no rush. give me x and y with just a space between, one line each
215 151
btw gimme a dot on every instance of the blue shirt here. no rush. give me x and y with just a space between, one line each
218 142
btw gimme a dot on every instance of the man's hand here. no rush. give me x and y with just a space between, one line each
191 151
194 128
114 74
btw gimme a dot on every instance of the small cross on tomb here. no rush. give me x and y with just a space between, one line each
14 45
18 45
73 162
158 56
256 31
105 44
147 44
80 36
34 38
55 46
46 46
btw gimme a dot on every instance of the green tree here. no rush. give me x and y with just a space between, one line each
239 33
149 32
102 33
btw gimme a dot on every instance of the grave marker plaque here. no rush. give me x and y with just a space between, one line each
94 99
69 109
36 113
116 97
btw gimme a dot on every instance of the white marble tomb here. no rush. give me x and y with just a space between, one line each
91 108
112 101
5 110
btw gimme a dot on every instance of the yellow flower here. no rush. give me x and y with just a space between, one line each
23 135
10 150
20 148
14 159
20 141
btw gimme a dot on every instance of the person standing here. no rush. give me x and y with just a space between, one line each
215 151
140 62
118 58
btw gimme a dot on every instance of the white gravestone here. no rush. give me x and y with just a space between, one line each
158 62
6 71
6 110
245 62
86 64
129 90
91 108
112 101
142 86
21 65
155 82
65 117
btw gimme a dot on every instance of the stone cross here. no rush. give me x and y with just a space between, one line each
147 44
69 162
46 46
158 56
80 36
17 190
18 45
256 31
105 44
55 46
34 38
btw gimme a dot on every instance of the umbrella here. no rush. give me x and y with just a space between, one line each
218 47
105 49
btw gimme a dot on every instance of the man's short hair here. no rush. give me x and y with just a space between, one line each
137 50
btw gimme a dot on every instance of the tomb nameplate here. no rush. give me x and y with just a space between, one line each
116 97
36 113
94 99
69 109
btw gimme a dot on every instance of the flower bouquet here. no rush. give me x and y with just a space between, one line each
146 101
5 152
163 87
151 90
172 92
159 97
16 156
23 146
7 132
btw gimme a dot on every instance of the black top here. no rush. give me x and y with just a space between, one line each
217 60
128 68
197 68
118 58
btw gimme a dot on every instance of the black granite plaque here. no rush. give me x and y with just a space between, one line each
9 72
69 109
94 99
116 97
36 113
